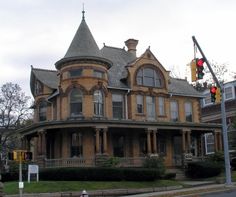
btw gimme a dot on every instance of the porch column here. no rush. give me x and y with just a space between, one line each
39 144
97 145
188 141
43 142
105 140
148 141
220 142
154 139
183 141
216 140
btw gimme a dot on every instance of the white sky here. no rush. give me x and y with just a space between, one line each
39 32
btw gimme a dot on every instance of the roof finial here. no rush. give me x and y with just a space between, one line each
83 13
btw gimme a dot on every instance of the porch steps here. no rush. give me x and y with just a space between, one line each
102 160
180 174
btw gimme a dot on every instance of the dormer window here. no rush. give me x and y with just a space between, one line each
38 88
148 76
76 72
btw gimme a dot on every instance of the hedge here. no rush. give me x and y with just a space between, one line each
92 174
203 169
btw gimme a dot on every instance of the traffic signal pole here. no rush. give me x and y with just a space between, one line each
223 117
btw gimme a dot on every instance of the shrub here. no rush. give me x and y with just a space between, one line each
217 157
155 162
203 169
99 174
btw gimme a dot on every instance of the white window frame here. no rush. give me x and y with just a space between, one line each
206 135
231 92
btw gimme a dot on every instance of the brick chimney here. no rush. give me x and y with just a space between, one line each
131 45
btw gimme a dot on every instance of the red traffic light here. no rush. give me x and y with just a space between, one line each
213 90
200 62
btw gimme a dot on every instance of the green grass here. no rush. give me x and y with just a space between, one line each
63 186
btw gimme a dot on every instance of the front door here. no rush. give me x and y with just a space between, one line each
177 151
118 145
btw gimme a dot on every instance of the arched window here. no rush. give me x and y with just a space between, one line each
98 103
76 102
42 111
148 76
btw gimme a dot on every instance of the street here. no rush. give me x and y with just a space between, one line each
222 194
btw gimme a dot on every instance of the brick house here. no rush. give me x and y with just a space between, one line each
111 103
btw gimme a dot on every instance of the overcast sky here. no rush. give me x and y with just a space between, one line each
39 32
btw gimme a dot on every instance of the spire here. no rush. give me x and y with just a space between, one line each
83 12
83 43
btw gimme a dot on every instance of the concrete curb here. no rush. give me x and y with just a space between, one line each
109 192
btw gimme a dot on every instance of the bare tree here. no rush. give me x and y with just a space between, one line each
14 112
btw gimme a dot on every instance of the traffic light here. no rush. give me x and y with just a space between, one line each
200 68
213 93
193 70
28 156
218 95
20 155
12 155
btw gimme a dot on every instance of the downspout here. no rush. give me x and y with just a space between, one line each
126 104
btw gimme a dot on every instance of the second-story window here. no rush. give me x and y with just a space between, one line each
76 102
149 77
98 103
42 111
188 112
150 102
76 72
161 106
139 100
117 106
174 111
98 74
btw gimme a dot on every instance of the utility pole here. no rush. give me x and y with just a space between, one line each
223 117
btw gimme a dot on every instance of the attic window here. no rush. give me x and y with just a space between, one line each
38 88
148 76
75 72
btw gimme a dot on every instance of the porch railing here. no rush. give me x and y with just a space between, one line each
89 162
131 161
69 162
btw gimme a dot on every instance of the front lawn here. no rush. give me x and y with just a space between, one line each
63 186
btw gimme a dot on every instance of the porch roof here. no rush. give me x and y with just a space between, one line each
208 127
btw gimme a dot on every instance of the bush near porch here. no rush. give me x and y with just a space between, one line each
203 169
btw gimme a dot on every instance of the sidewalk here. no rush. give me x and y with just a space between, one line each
192 187
197 188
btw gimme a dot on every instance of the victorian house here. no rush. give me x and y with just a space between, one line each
102 103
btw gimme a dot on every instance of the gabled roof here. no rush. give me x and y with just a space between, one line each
181 87
120 58
46 77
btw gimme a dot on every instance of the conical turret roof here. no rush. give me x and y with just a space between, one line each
83 46
83 43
